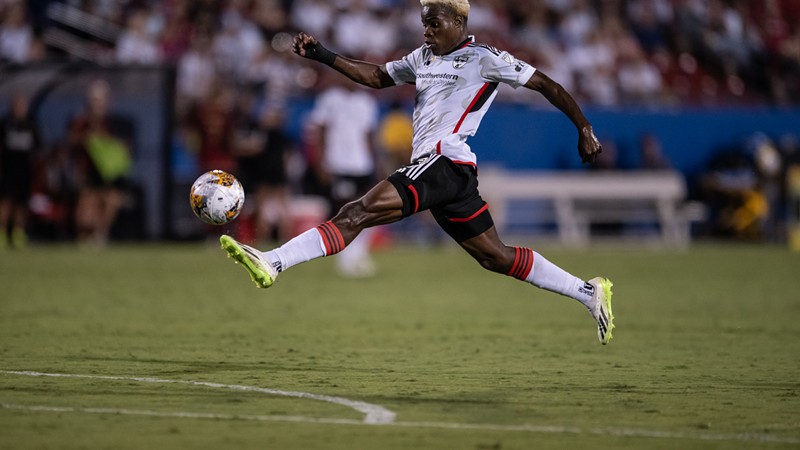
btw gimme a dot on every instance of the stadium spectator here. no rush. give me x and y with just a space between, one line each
745 51
196 73
211 122
640 81
454 78
137 45
237 44
262 148
100 142
280 76
649 22
16 35
592 63
20 142
313 15
176 37
395 134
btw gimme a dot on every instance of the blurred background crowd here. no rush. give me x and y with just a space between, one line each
607 52
236 81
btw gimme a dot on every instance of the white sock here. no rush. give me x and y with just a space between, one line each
547 275
301 248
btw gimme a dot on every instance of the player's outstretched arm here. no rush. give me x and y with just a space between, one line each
361 72
588 144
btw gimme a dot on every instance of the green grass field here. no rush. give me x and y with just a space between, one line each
179 350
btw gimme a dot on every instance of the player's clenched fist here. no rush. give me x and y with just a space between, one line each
309 47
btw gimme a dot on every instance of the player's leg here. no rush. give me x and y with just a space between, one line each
528 265
19 235
466 218
381 205
5 215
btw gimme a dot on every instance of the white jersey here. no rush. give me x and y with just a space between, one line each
348 117
454 92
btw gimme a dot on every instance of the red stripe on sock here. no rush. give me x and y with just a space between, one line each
528 265
523 260
326 240
516 261
331 237
523 263
339 237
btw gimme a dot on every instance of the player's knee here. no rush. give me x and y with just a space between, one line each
493 261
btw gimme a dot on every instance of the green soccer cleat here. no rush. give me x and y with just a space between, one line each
601 311
261 272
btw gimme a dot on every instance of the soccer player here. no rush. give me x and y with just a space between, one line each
456 81
20 139
345 118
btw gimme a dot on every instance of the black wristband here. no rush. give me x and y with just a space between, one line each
319 53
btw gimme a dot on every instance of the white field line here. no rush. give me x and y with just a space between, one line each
610 431
373 414
552 429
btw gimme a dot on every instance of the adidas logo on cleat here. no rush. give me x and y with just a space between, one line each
587 289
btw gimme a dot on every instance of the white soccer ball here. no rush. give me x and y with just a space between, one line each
216 197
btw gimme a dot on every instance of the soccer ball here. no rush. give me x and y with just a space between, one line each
216 197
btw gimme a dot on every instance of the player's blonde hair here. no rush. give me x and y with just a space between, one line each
461 7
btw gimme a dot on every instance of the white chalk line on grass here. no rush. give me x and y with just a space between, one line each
373 414
552 429
620 432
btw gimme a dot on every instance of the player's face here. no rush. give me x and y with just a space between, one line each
443 30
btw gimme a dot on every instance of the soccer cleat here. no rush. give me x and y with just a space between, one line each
261 272
601 310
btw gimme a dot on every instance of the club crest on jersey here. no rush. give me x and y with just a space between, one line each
460 61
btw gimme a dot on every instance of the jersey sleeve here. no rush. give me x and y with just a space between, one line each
501 66
405 70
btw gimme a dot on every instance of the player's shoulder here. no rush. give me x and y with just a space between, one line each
499 56
484 48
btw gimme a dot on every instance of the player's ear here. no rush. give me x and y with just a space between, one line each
460 21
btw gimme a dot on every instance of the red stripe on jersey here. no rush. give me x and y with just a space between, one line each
416 198
469 108
467 219
439 148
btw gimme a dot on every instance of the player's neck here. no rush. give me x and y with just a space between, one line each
459 43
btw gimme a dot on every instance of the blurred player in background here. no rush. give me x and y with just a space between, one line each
261 148
345 119
19 142
456 81
98 139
